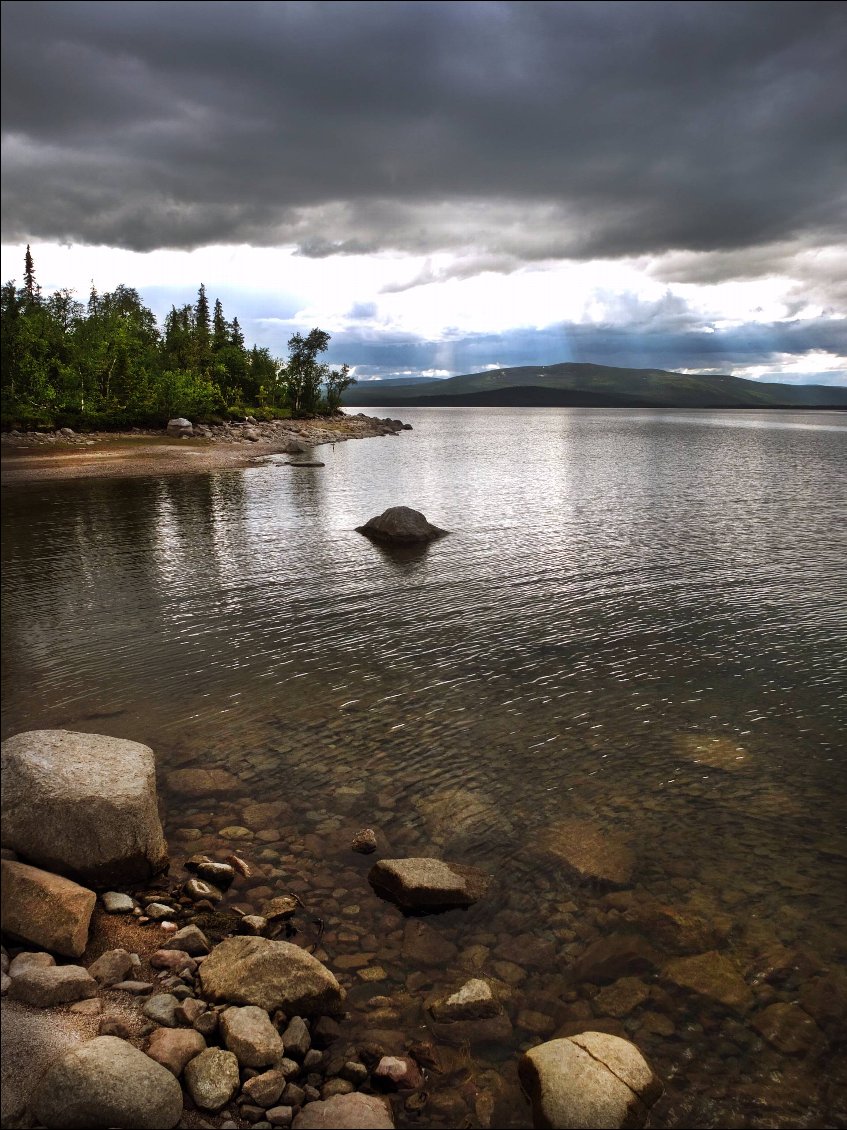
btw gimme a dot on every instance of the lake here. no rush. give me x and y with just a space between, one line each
633 637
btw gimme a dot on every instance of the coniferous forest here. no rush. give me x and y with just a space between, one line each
108 364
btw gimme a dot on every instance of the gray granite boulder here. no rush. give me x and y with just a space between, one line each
180 427
272 975
83 805
107 1082
587 1081
45 909
400 524
428 884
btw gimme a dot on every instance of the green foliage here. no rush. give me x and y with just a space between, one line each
107 364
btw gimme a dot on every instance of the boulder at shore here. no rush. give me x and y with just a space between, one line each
428 884
180 427
272 975
400 524
82 805
587 1081
108 1082
45 909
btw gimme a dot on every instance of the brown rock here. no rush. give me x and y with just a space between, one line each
790 1029
346 1112
45 909
713 976
428 884
399 1072
590 853
424 945
621 998
111 967
270 974
174 1048
615 956
202 782
52 985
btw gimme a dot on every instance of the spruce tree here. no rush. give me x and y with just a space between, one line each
30 285
220 330
202 331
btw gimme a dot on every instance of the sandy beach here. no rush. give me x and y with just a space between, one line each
35 456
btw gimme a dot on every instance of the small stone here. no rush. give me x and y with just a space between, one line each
157 911
293 1095
189 1010
250 1035
356 1072
253 925
114 1025
174 960
198 889
280 1115
111 967
117 903
364 841
336 1087
135 988
473 1001
212 1078
161 1009
190 939
296 1037
219 874
174 1048
206 1024
91 1007
264 1090
398 1071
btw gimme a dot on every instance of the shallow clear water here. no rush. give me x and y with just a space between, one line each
637 621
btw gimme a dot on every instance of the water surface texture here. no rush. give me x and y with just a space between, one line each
637 622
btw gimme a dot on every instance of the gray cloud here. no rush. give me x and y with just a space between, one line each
520 131
659 343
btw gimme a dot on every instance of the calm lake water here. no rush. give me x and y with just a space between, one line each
638 621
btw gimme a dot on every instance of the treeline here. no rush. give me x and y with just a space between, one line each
107 364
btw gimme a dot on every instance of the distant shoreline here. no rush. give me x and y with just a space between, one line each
535 396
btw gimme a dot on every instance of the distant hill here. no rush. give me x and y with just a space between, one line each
587 386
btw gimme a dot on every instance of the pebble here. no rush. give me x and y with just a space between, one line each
117 903
161 1008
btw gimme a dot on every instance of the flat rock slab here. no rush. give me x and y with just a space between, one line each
589 852
345 1112
713 976
588 1080
82 805
424 884
472 1001
45 909
52 985
108 1082
270 974
400 524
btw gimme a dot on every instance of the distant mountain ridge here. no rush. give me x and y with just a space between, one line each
573 384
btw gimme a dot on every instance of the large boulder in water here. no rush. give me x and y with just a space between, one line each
400 524
82 805
272 975
590 1080
108 1082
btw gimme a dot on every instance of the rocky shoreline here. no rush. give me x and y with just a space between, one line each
140 998
63 453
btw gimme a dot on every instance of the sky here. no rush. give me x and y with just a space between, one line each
447 187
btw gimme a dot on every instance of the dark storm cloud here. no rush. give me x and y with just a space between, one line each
521 130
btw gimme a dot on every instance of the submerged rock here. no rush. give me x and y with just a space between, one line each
589 852
588 1080
713 976
400 524
270 974
82 804
108 1082
428 884
473 1001
45 909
